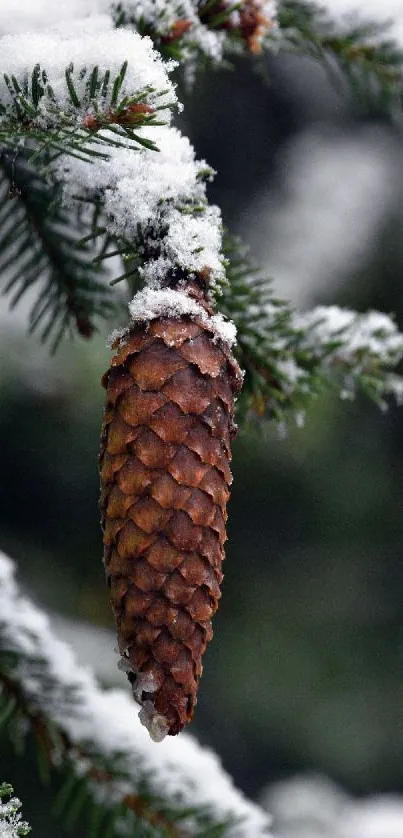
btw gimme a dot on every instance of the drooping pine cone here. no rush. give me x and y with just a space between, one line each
166 447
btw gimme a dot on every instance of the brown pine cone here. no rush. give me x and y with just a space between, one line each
165 475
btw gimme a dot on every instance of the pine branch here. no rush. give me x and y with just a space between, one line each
39 248
359 55
289 358
115 775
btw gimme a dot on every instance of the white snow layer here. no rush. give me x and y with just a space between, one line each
373 334
28 16
17 16
162 16
11 823
179 768
167 302
364 11
84 45
162 189
314 807
136 182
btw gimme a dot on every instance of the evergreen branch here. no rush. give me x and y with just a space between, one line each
33 113
39 248
56 750
357 54
11 825
81 108
196 30
155 209
114 771
290 358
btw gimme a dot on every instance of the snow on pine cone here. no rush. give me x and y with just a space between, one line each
166 447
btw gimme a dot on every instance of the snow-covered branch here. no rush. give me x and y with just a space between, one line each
356 351
99 91
289 357
155 205
191 29
99 734
61 88
11 823
184 29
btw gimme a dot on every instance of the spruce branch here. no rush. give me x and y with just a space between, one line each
68 110
155 209
11 825
91 737
39 249
81 112
289 357
196 31
359 55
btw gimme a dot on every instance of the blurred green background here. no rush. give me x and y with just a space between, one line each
306 667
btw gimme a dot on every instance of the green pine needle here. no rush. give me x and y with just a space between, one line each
39 249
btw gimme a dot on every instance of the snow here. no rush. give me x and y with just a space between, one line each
380 817
388 11
87 44
374 333
314 807
161 17
136 182
10 828
11 823
179 769
149 304
158 15
163 191
28 16
193 242
155 201
145 682
345 345
117 337
167 302
353 351
290 370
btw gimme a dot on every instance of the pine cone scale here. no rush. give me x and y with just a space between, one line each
165 476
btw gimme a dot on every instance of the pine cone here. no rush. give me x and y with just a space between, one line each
165 475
